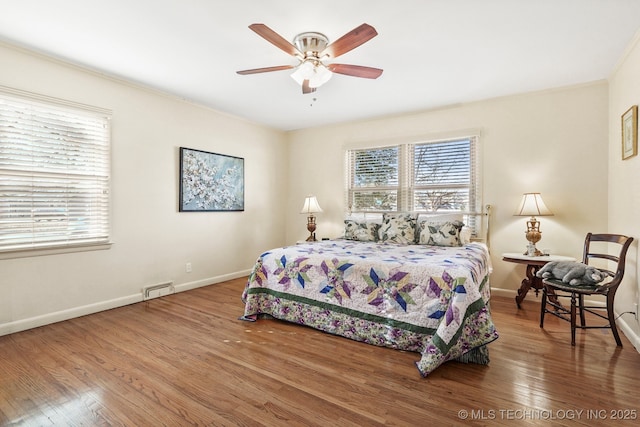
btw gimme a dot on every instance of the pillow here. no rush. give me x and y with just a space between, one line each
398 228
450 217
440 233
465 235
362 231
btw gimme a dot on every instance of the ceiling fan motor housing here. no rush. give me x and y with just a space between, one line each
311 43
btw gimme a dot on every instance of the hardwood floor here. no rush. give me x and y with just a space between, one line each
185 359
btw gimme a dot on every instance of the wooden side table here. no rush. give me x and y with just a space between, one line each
533 263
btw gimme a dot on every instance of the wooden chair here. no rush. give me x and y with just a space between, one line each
553 290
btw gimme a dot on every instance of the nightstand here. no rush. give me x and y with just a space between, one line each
533 263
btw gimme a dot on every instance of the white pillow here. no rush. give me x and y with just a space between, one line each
465 235
398 228
445 233
363 231
450 217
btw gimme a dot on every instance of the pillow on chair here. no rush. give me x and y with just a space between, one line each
572 273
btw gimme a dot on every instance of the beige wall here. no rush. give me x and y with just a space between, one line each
556 142
152 240
624 182
553 142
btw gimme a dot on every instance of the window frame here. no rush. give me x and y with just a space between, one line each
406 185
352 188
69 240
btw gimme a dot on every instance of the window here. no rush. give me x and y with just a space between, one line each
375 179
54 174
434 176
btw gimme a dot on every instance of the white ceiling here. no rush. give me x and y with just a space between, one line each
434 52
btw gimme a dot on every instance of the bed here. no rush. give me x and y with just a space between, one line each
424 292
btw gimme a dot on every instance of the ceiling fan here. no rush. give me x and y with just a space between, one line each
311 49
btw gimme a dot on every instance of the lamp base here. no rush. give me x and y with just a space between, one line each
535 252
533 236
311 227
532 250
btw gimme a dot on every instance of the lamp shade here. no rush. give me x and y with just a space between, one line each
532 205
303 72
310 205
316 74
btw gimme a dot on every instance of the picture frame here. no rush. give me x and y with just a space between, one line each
630 133
210 182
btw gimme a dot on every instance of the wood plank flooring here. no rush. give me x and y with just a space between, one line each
185 359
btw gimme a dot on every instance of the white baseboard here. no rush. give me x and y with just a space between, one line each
210 281
628 332
506 293
531 295
511 293
58 316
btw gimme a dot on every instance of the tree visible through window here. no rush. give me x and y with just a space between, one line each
375 179
442 176
438 176
54 174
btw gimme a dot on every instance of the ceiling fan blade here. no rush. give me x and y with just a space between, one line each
265 70
355 70
306 88
350 41
274 38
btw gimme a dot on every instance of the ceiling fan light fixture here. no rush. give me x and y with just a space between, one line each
316 73
320 77
303 72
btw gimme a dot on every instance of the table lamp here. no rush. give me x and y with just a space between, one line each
532 205
311 207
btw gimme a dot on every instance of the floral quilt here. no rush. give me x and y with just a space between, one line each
431 300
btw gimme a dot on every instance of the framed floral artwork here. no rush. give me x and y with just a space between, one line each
210 181
630 133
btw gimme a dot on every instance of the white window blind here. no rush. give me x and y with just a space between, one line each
443 176
374 179
431 176
54 174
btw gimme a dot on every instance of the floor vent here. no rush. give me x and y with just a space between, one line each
156 291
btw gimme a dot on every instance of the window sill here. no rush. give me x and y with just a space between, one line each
32 252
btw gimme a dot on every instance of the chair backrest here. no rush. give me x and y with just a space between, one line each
602 252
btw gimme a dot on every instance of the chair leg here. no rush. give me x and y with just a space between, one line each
612 320
581 306
573 318
543 306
